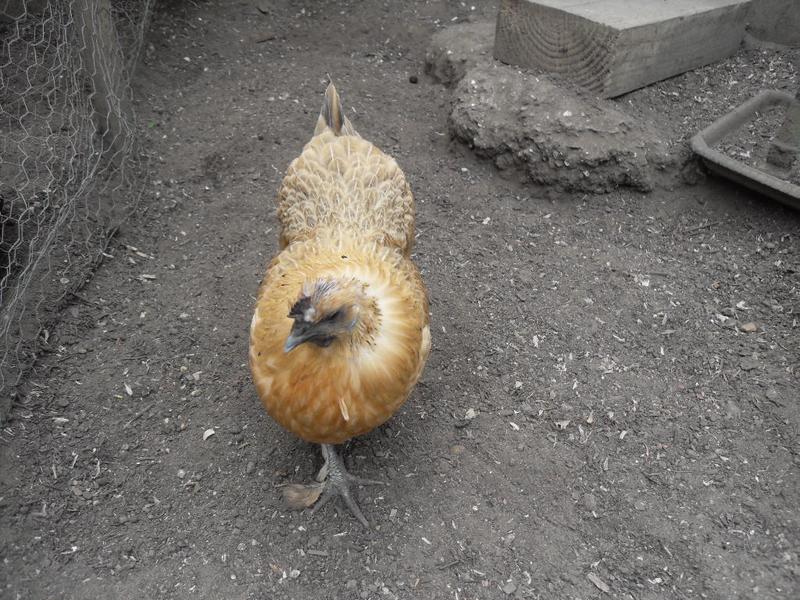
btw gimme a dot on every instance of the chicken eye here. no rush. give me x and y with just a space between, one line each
334 316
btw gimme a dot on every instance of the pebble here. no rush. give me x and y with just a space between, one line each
509 588
734 412
251 466
748 364
589 501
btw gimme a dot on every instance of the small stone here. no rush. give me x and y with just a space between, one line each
589 501
748 364
457 449
733 412
749 327
509 588
181 473
251 466
772 394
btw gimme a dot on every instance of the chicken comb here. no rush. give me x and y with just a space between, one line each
311 293
300 307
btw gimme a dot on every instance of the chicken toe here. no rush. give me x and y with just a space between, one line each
338 482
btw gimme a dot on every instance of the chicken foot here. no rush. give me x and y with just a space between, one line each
333 480
336 480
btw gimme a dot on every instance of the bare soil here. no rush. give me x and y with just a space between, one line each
751 144
610 408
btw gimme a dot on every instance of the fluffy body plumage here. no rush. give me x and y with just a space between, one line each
359 307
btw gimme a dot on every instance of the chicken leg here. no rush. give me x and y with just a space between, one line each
334 480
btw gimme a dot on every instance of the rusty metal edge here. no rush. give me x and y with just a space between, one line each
750 177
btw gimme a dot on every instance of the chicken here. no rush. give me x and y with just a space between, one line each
340 333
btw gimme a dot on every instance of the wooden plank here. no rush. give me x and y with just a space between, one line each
614 46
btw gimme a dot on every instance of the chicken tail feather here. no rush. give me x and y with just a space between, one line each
331 116
332 110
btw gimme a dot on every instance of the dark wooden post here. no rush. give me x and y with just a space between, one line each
103 63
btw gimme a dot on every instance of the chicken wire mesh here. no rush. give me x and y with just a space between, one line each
69 166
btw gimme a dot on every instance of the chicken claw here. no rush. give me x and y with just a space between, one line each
337 480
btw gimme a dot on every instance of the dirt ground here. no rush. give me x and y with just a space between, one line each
631 361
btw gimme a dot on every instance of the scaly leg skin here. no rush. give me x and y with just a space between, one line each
337 484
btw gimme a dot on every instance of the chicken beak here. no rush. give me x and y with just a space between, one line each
293 341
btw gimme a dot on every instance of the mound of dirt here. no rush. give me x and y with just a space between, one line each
521 120
456 49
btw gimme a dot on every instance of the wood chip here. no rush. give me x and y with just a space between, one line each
599 583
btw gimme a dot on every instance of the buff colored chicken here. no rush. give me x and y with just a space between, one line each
340 332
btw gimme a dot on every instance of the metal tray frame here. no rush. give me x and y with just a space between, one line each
757 180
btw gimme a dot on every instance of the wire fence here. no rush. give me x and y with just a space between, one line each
70 170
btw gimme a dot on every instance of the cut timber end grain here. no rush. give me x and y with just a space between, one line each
610 48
